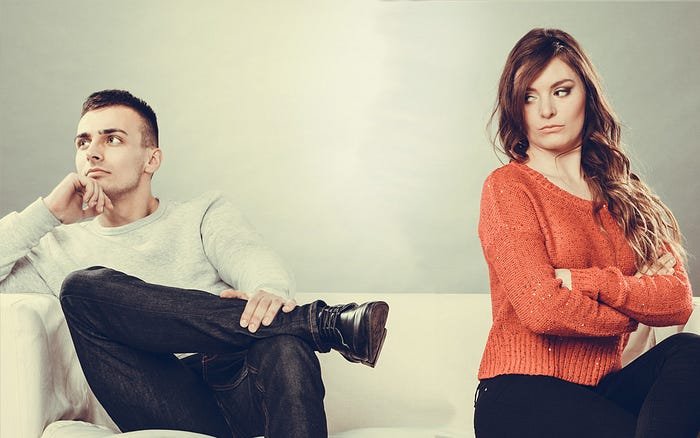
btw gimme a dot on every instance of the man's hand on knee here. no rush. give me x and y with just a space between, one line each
262 307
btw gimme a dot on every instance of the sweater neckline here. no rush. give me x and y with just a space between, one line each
95 226
550 186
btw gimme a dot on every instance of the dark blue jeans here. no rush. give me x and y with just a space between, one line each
242 384
655 396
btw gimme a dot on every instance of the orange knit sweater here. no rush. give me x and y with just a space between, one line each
528 227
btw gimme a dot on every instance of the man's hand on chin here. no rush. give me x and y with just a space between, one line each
77 197
262 307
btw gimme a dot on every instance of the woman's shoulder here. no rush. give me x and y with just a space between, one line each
517 184
509 175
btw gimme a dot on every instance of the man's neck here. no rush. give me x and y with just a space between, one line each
129 208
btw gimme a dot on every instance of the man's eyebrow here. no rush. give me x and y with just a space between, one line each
111 131
102 132
554 85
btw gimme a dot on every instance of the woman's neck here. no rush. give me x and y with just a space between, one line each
562 169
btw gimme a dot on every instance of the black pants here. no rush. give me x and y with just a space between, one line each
657 395
245 384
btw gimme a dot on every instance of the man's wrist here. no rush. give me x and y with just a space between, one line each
50 210
274 291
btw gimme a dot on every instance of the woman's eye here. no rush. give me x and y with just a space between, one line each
529 98
561 92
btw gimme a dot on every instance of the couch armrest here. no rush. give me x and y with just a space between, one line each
693 324
40 375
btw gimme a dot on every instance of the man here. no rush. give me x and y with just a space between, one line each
144 279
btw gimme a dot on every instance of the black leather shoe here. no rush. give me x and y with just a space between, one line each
356 332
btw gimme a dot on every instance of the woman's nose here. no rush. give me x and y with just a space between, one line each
547 108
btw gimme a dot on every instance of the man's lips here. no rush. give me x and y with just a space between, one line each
95 170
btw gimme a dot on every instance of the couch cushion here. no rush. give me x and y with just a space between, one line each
40 375
80 429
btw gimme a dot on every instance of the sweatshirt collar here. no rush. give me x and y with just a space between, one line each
95 226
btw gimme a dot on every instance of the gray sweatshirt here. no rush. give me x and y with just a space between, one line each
203 244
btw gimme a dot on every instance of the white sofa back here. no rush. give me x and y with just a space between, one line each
426 375
424 381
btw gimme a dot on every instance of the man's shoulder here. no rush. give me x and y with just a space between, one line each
204 200
209 203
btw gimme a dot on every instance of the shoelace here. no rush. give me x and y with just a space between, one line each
327 326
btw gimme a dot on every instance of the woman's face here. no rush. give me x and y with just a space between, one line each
555 109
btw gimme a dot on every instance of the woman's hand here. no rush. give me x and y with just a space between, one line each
565 276
663 266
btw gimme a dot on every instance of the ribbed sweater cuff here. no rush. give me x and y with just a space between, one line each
38 218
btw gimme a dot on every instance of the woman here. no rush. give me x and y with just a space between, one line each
579 252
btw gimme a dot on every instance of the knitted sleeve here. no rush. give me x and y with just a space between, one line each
19 234
239 253
654 300
513 244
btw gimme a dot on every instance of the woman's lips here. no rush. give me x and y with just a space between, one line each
549 129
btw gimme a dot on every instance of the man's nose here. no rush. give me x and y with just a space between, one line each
94 152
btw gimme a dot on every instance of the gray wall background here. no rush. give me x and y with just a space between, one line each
351 133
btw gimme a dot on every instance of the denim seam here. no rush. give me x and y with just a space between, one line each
313 325
263 405
146 309
255 371
235 431
206 358
235 384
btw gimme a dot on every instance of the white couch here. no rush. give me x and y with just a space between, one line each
422 386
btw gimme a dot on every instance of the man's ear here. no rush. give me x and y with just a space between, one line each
154 160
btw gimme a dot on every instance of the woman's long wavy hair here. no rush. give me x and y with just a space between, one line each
649 226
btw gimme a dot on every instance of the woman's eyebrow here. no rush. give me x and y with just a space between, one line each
554 85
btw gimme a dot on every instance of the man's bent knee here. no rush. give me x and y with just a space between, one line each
82 283
83 279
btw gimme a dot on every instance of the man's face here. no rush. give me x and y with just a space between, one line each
109 150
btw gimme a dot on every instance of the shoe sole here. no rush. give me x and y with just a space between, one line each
379 312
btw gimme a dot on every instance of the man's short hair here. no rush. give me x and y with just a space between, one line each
107 98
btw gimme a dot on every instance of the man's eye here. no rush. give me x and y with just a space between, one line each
82 143
112 139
